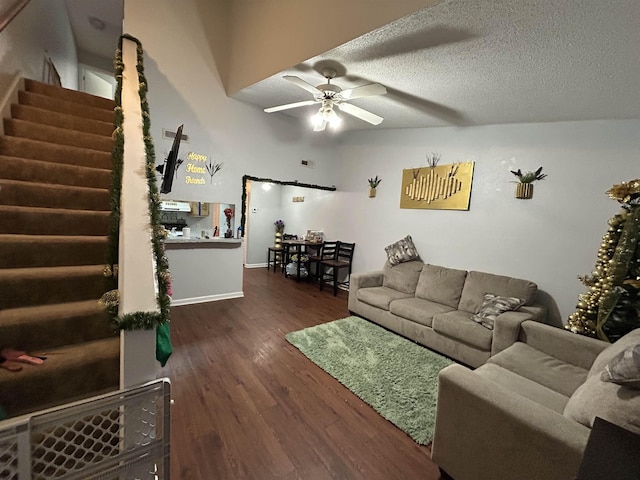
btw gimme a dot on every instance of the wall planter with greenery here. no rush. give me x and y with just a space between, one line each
524 187
373 184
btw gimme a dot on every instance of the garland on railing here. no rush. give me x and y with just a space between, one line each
136 320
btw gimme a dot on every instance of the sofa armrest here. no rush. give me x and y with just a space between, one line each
366 280
506 330
486 432
559 343
362 280
537 312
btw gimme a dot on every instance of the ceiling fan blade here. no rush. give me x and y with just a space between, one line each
302 84
360 113
364 91
290 105
321 126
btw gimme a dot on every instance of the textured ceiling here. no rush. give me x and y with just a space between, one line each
480 62
101 43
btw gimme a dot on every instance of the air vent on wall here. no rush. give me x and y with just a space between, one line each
171 134
308 163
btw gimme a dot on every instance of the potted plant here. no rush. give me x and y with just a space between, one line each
524 188
373 183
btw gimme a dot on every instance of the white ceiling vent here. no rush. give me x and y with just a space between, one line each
308 163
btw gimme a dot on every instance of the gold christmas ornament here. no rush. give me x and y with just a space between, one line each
110 298
625 191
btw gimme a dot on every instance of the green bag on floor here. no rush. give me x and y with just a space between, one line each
163 343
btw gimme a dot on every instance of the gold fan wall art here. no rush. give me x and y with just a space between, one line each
443 187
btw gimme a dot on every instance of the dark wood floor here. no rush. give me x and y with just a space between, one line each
250 405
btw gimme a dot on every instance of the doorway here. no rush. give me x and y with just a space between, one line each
266 200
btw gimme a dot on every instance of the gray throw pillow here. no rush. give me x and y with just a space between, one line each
401 251
492 306
624 368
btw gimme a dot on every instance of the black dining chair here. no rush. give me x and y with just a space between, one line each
279 253
327 251
342 260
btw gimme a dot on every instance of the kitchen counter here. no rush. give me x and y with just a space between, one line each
216 242
204 269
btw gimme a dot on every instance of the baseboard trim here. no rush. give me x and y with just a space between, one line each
206 298
255 265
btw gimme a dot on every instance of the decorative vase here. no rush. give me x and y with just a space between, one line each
372 192
277 242
524 190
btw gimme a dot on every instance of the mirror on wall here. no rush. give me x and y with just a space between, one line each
202 220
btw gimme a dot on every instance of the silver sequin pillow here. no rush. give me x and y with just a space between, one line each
401 251
624 368
492 306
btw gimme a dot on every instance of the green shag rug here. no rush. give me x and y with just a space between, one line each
397 377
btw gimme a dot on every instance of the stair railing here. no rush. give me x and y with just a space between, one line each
11 13
137 268
123 434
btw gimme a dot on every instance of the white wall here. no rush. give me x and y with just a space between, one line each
315 213
185 88
40 30
550 239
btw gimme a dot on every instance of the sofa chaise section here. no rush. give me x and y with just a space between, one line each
528 412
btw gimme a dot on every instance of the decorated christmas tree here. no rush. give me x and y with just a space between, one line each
611 306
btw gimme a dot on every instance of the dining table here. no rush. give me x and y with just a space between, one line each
299 247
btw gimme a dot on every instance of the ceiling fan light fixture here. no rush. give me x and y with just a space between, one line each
316 119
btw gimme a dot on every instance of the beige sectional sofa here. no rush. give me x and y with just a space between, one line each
433 306
527 413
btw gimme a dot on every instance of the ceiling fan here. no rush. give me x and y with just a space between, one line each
331 96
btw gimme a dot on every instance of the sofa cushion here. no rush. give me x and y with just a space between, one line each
630 339
614 403
477 284
523 386
459 326
541 368
402 277
492 306
380 297
624 368
441 285
401 251
417 310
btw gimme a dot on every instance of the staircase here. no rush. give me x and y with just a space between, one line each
55 172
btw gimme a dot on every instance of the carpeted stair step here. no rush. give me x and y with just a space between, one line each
67 374
51 152
52 221
61 136
26 251
53 326
71 122
24 169
64 106
22 287
70 95
31 194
